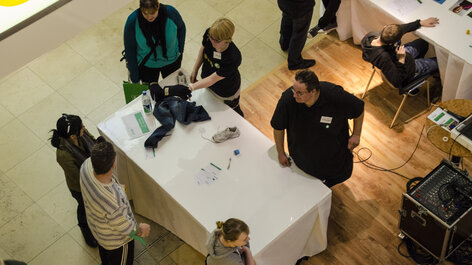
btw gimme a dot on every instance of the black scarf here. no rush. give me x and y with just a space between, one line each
156 30
79 155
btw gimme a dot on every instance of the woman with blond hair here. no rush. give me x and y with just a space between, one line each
220 59
229 244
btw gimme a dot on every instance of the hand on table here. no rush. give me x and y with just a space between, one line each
284 161
429 22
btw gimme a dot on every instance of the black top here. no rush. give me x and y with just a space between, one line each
296 8
225 64
318 135
385 57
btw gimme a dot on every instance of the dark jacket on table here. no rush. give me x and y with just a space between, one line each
70 165
385 57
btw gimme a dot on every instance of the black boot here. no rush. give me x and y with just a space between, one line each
299 261
89 239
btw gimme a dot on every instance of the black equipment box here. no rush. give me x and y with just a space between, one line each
437 212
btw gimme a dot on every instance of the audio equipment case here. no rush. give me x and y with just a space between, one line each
435 234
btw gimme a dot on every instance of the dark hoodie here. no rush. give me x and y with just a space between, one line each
385 57
219 254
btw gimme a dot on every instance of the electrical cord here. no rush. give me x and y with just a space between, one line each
379 168
449 155
399 252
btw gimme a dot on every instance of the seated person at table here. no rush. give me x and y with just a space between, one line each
229 244
220 58
399 63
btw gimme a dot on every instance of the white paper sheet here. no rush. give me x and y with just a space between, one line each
403 7
443 119
135 124
207 175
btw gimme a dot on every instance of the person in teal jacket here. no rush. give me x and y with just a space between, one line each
154 39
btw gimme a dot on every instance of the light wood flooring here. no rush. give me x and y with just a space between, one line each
363 224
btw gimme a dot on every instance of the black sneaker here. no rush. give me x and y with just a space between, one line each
413 92
313 32
330 27
305 64
299 261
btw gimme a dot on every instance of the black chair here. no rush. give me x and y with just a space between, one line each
405 90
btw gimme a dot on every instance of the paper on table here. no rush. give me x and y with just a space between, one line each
135 124
403 7
444 119
207 175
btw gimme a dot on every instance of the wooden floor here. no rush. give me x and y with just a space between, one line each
363 224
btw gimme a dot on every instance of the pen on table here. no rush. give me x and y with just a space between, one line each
419 1
229 163
215 166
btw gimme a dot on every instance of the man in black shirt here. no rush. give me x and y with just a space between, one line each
399 63
315 115
296 18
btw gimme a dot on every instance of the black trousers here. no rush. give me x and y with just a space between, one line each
148 75
234 104
329 16
293 32
120 256
343 176
81 217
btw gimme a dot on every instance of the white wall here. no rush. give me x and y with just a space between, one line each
52 30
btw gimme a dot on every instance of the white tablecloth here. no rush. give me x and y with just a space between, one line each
449 38
287 211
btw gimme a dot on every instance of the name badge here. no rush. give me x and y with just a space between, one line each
325 119
217 55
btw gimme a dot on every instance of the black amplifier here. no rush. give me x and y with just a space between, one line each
437 212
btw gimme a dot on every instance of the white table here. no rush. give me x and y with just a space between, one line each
449 38
287 211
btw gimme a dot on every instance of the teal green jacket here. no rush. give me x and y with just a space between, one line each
136 48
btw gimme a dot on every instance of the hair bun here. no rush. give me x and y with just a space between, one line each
100 139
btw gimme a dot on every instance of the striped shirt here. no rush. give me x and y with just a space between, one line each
108 211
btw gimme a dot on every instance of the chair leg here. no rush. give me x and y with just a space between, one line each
398 111
427 93
368 84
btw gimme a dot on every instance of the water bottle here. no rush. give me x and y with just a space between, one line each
147 106
181 79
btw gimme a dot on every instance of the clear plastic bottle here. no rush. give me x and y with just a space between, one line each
147 105
181 78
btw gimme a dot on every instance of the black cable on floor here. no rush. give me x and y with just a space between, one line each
379 168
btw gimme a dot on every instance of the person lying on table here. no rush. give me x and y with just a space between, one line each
220 59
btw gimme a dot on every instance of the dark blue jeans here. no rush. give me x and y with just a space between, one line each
170 109
417 49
